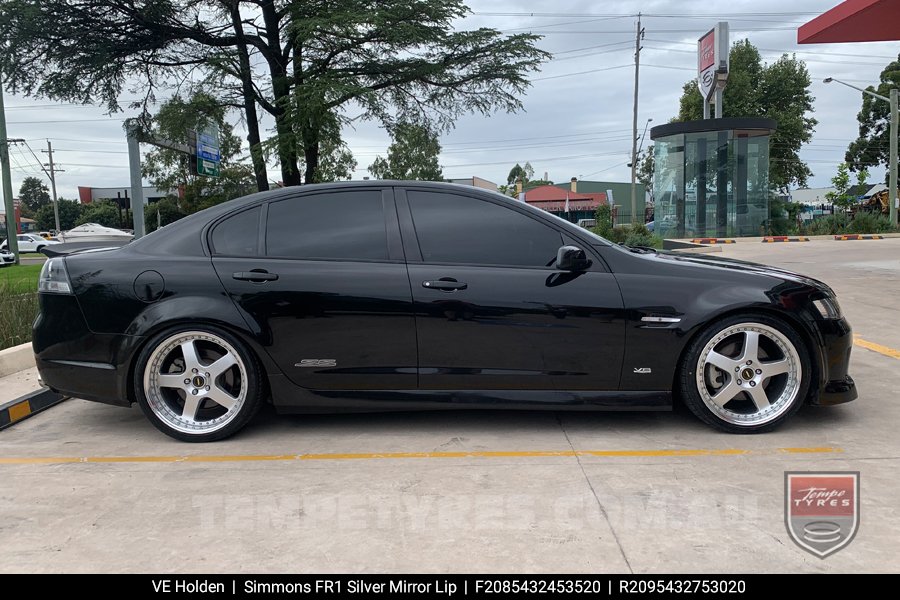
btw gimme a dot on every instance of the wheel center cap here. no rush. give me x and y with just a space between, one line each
198 381
747 374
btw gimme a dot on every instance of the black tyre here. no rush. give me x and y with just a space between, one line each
198 383
745 373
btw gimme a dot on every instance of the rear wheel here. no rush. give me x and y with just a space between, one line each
745 374
198 384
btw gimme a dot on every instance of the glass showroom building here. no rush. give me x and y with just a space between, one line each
711 177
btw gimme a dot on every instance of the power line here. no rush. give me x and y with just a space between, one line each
64 121
580 73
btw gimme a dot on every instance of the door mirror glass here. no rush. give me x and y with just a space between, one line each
572 258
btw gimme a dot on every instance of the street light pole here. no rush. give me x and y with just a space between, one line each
895 123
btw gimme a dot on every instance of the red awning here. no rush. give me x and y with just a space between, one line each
854 21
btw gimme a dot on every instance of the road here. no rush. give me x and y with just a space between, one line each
87 487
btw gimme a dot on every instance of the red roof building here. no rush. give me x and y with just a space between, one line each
553 199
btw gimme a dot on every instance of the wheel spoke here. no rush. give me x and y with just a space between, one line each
221 365
191 360
169 380
759 397
751 346
221 397
191 404
726 394
775 367
721 361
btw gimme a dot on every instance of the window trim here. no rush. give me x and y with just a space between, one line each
219 222
404 204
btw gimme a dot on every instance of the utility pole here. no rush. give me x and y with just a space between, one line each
892 177
52 175
137 186
634 124
12 242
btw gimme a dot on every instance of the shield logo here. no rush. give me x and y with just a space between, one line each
821 509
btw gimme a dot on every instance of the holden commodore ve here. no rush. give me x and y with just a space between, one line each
375 296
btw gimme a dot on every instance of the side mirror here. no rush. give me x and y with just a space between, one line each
572 258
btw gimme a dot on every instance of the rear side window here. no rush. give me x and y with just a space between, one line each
340 225
238 235
461 229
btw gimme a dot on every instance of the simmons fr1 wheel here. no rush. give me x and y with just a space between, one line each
198 384
745 374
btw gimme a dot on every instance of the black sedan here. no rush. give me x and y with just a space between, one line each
378 296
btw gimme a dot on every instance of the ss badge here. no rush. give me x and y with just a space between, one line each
316 362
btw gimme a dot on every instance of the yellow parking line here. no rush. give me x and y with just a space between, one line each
885 350
43 460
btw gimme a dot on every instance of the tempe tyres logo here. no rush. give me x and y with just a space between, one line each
821 510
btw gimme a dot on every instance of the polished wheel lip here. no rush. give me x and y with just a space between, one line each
769 409
154 381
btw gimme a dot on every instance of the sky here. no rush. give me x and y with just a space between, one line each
577 114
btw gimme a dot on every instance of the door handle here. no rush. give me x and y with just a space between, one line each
446 284
256 276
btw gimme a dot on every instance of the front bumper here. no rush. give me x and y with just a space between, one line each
835 384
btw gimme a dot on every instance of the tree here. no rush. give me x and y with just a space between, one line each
33 194
69 213
303 63
413 154
173 171
872 147
645 169
777 91
161 213
841 195
102 212
336 162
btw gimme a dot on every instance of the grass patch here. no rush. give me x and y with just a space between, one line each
18 303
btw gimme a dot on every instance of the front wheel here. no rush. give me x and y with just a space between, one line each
198 384
745 374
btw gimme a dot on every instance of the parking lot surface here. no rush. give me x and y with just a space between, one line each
87 487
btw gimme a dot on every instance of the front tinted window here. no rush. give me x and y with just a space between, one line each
342 225
238 235
460 229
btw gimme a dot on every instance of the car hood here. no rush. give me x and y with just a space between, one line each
745 266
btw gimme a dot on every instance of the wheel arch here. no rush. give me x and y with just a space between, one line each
802 328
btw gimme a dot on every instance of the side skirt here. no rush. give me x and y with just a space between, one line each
288 398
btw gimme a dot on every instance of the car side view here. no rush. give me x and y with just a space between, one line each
390 295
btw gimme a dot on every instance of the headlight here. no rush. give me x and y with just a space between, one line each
828 308
53 278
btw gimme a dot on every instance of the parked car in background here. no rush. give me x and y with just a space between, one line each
6 257
30 242
366 296
587 223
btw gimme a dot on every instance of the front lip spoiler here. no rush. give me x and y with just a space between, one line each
837 391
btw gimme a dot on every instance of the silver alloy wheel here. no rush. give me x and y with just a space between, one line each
749 374
195 382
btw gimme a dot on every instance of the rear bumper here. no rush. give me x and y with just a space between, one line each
76 362
836 385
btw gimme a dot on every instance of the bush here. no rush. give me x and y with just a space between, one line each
18 308
639 235
604 221
865 222
829 225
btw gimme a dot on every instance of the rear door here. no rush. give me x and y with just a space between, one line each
321 277
492 311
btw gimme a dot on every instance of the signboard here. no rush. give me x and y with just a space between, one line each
706 64
208 155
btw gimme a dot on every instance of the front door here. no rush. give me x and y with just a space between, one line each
492 312
326 287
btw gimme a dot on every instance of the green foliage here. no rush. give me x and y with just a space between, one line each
161 213
631 235
645 168
69 213
639 235
778 91
783 216
829 225
413 154
603 216
300 62
18 303
102 212
872 147
841 183
865 222
33 195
